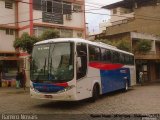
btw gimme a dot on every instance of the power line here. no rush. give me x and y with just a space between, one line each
97 4
42 5
150 18
9 15
92 6
93 9
85 12
22 21
124 16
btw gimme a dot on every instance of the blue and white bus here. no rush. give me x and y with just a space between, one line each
70 69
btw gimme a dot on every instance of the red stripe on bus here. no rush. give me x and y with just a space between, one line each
105 66
61 84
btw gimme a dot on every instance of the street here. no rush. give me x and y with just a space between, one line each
138 100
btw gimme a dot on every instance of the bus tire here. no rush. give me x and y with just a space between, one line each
95 92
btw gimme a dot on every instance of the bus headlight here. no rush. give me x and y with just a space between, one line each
66 89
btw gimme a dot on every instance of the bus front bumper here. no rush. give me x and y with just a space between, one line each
62 96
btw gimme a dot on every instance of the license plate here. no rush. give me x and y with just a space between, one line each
48 96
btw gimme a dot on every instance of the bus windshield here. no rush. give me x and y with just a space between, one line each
52 63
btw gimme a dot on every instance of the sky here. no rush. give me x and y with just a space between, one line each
94 6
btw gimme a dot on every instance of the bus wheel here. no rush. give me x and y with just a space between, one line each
95 93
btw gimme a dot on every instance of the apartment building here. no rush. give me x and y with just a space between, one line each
135 20
33 17
67 16
8 32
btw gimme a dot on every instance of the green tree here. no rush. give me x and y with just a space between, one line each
25 42
50 34
123 45
143 46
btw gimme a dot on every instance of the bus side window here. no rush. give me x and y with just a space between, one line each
103 55
82 55
121 58
106 55
94 53
109 57
126 59
114 57
132 60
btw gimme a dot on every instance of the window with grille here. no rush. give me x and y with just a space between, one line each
9 32
67 8
37 4
8 4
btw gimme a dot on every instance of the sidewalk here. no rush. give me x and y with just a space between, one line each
13 90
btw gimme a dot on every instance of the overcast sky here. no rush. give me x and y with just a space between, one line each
93 20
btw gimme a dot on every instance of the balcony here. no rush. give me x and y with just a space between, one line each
148 56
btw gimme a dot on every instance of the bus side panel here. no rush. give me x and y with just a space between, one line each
114 79
85 85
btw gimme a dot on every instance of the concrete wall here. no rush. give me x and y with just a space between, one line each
7 15
23 13
25 30
6 42
139 25
121 14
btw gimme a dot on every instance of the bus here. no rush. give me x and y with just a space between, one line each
72 69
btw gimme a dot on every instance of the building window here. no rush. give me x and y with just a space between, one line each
66 33
79 35
77 8
67 8
9 32
8 4
49 6
37 4
56 7
52 11
115 11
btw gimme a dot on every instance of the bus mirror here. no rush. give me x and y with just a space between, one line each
79 62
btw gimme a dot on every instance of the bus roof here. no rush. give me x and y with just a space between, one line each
99 44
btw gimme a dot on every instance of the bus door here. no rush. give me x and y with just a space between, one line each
83 84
